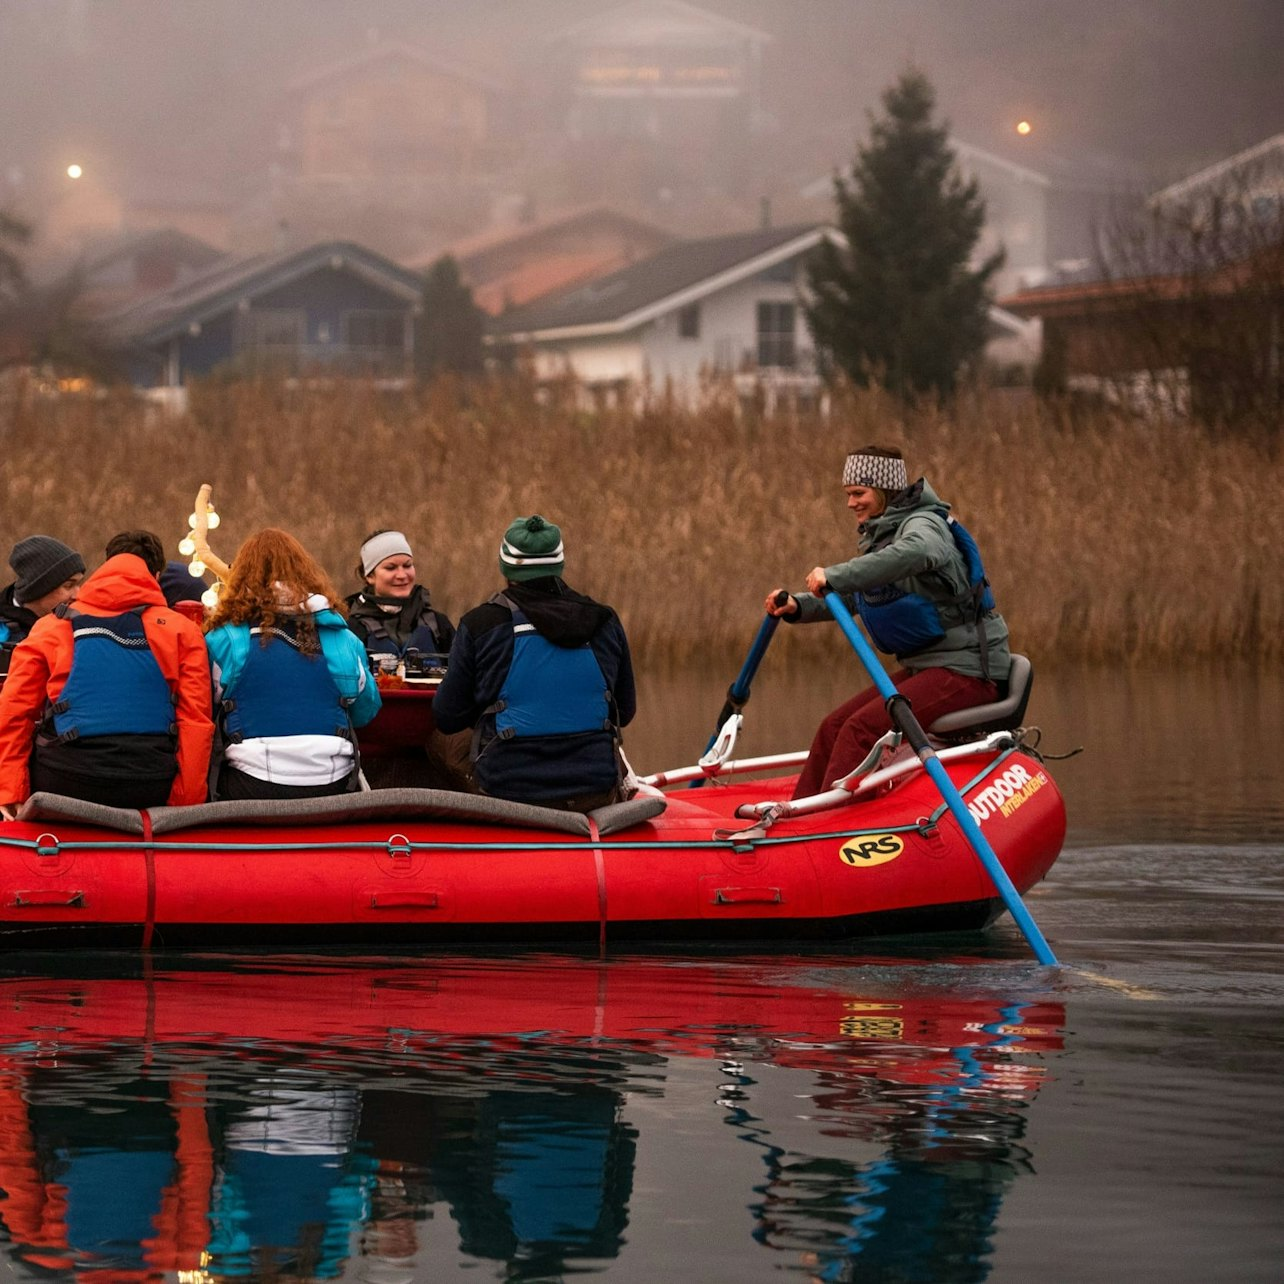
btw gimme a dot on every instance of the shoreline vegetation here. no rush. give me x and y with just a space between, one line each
1107 538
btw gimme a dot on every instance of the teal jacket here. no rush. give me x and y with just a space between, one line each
910 545
345 657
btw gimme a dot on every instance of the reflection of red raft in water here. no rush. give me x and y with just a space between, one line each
429 867
816 1013
895 1064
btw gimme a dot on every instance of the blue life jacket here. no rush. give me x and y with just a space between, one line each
550 690
281 691
903 623
551 732
115 685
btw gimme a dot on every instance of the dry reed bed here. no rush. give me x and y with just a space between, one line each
1105 538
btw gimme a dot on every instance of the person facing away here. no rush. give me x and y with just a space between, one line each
290 681
920 590
108 698
46 574
393 614
544 677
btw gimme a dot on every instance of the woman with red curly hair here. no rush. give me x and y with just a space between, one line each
290 681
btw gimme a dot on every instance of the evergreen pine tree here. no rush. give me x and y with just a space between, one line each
449 332
899 302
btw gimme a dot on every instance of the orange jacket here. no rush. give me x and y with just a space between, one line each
41 662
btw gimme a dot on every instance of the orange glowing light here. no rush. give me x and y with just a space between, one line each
1023 127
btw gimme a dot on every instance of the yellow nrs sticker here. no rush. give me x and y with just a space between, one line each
871 849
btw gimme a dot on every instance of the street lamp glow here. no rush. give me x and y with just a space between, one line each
74 171
1023 127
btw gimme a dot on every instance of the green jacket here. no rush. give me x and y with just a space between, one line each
921 557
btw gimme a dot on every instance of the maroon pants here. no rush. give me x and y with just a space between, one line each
848 734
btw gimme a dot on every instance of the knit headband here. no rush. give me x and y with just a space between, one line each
378 548
877 471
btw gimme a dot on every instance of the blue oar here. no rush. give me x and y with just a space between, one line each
738 691
898 709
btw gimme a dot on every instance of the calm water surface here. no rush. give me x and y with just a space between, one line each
944 1110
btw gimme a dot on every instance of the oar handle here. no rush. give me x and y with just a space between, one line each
898 709
738 691
740 687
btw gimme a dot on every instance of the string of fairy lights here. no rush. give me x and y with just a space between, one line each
196 568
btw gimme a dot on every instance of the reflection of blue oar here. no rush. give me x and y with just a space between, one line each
898 709
738 691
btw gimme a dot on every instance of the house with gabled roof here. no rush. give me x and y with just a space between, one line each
116 271
648 66
1252 178
1182 313
513 265
388 111
720 304
334 307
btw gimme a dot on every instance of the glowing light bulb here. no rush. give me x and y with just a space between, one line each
191 521
74 171
212 520
1023 127
187 546
196 568
209 599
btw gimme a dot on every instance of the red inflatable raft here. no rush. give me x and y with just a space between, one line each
428 867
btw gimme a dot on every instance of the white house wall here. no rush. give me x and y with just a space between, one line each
728 338
593 361
728 342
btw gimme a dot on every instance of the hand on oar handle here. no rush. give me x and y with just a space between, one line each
781 602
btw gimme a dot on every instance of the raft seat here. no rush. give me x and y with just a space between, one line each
1004 714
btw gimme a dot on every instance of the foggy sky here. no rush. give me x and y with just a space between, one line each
1153 89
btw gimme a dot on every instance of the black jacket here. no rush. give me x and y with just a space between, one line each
541 767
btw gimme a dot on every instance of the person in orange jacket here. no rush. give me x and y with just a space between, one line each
108 698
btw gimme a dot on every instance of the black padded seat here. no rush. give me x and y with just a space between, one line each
378 804
1004 714
615 817
402 805
42 806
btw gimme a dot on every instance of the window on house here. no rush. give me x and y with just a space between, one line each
372 328
776 344
260 328
689 321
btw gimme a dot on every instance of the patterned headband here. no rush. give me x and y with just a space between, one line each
877 471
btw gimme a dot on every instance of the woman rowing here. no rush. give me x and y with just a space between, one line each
921 592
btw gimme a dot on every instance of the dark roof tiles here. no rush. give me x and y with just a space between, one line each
669 272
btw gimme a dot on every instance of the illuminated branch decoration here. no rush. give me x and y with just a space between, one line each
196 546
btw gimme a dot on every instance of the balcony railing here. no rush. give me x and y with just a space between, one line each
332 358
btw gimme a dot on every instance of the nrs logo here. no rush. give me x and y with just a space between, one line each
871 849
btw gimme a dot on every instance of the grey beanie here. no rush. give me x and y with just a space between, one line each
41 563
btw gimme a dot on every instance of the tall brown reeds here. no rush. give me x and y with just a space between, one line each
1106 538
